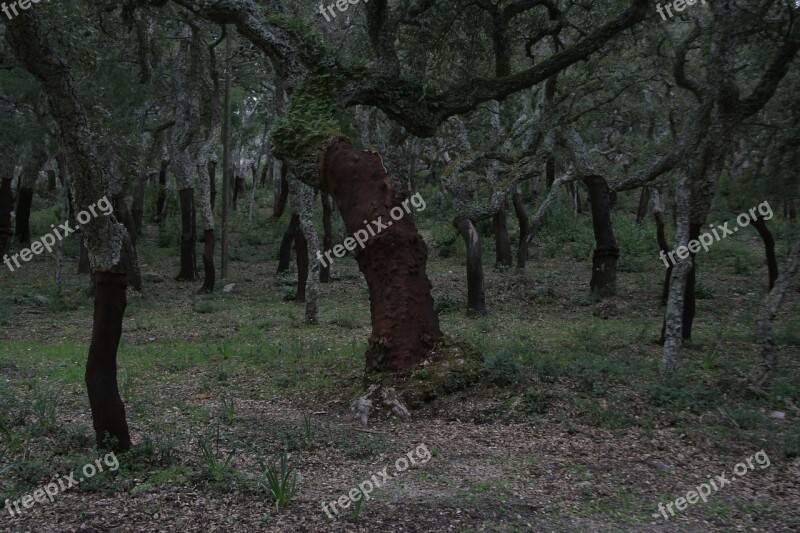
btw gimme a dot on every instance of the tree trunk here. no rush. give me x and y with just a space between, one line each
188 270
501 238
138 205
281 191
23 224
604 258
83 257
51 180
327 236
6 207
644 202
106 238
302 197
130 257
768 345
476 296
108 411
285 252
522 217
207 219
769 249
673 314
212 173
163 193
550 171
405 327
301 248
689 304
661 236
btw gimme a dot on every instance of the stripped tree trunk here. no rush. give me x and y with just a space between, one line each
476 296
130 257
405 327
644 201
769 249
285 251
604 259
327 236
768 345
6 208
106 238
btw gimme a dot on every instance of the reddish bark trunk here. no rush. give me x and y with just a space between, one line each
405 327
285 252
301 248
108 411
188 237
501 238
604 258
476 296
208 262
327 237
23 226
6 207
769 249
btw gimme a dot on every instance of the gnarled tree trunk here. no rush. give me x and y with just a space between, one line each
405 326
769 249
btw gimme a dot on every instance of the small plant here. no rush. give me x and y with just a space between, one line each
357 505
279 481
444 304
308 432
228 409
501 368
44 409
216 469
711 357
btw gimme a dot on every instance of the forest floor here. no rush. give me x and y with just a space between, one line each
570 429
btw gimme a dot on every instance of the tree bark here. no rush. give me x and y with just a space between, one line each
661 236
131 256
644 202
188 270
106 238
768 345
769 249
501 238
23 224
285 252
405 327
476 295
522 217
301 249
163 193
673 314
604 258
83 257
6 207
689 299
302 198
138 205
327 236
108 411
212 173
